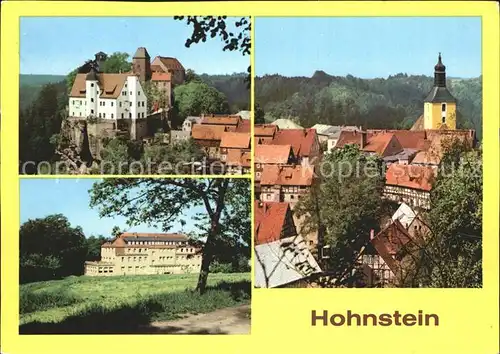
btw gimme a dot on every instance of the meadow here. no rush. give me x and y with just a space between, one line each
123 304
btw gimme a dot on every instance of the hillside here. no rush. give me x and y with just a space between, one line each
39 80
393 102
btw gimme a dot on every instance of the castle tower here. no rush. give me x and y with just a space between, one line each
439 105
100 58
141 64
91 87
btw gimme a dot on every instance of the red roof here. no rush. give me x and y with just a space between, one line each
301 140
171 63
244 126
409 139
235 140
410 176
156 76
221 120
272 154
207 132
296 175
351 137
378 143
265 130
236 157
269 220
391 241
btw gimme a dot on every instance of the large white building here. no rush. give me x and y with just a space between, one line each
107 96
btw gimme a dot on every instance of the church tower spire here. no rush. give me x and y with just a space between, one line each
440 105
439 73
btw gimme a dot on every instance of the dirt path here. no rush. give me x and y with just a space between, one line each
231 320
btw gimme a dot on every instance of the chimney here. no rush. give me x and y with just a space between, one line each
363 139
372 234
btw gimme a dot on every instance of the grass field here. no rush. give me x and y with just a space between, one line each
122 304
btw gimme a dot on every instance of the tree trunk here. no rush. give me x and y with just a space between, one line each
203 276
212 234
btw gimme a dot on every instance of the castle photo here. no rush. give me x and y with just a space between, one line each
370 181
159 107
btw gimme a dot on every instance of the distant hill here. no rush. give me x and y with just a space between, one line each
233 86
39 80
393 102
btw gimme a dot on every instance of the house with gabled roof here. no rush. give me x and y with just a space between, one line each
285 183
410 184
390 256
304 142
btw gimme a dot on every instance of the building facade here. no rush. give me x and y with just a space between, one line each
145 254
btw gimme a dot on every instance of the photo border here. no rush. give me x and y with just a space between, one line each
281 318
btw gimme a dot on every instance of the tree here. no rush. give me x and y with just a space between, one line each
154 96
50 248
115 157
191 76
259 115
195 98
39 123
116 63
344 207
237 39
170 159
224 221
94 244
454 252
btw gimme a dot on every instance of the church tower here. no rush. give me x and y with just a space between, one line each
439 105
141 64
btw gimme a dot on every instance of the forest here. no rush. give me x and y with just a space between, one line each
391 103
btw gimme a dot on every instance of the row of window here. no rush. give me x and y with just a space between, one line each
124 92
156 243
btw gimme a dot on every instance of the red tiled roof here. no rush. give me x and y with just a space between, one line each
407 138
347 137
171 63
390 241
236 157
110 85
301 140
410 176
244 126
272 154
207 132
156 76
221 120
378 143
235 140
287 175
265 130
269 219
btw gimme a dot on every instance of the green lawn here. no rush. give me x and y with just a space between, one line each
121 303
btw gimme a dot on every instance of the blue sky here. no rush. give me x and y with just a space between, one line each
57 45
70 197
367 47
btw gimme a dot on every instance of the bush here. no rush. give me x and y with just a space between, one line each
217 267
31 301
